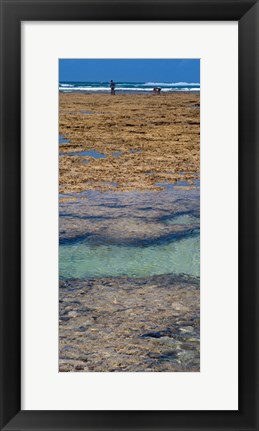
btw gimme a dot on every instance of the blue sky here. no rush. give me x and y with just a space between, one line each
130 70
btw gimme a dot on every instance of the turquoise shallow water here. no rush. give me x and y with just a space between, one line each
130 234
84 261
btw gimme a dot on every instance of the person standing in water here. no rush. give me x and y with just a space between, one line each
112 85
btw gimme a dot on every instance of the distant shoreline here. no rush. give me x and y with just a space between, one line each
120 92
128 87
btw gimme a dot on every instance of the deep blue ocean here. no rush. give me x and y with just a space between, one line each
128 87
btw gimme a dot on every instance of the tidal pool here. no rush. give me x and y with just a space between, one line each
116 153
62 140
91 153
130 234
182 219
129 266
84 260
167 185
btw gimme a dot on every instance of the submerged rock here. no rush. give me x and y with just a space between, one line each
129 326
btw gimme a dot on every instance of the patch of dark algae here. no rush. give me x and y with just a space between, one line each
121 324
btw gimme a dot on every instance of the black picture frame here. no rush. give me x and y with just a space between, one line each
246 12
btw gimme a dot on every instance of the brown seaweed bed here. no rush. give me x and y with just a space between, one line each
145 140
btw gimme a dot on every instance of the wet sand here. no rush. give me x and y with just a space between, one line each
144 140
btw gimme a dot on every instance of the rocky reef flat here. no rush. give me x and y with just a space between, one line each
128 142
127 324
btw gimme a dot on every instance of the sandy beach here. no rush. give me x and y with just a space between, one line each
143 140
129 220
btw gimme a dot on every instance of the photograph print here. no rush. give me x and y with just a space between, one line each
129 215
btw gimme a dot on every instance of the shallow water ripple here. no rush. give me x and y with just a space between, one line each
129 281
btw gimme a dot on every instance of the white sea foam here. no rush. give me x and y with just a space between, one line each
129 89
171 84
66 85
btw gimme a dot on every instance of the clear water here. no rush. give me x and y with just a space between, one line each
62 140
116 153
135 151
178 183
84 261
183 219
91 153
133 234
